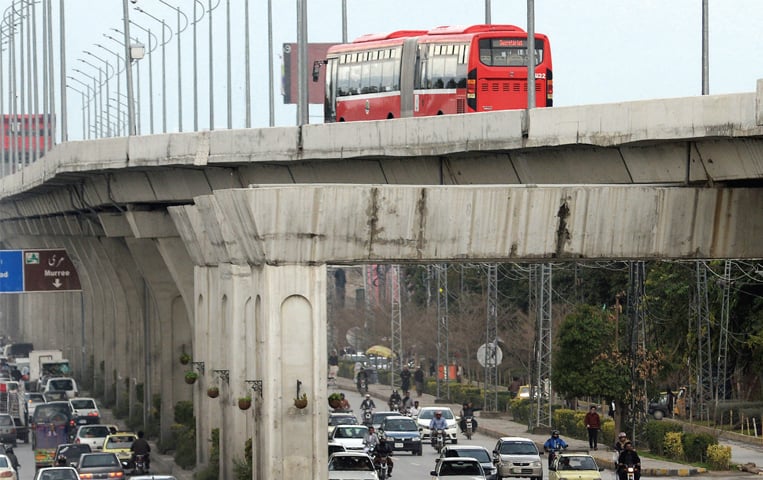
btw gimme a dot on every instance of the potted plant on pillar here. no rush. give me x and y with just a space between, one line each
335 400
191 377
185 359
244 402
213 392
301 402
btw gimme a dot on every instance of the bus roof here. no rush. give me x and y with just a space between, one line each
372 37
455 29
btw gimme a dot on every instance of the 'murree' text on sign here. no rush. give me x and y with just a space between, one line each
57 273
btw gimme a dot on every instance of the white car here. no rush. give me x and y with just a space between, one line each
93 435
517 457
59 384
85 410
458 468
6 469
57 473
351 436
426 415
351 466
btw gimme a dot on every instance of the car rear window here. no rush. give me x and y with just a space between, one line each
61 385
83 404
478 453
6 420
98 431
120 441
99 461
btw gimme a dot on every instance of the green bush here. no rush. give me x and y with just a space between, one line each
184 413
674 447
184 444
212 470
520 410
242 468
607 433
566 421
695 446
654 434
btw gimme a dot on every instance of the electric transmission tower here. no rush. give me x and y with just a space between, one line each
441 273
540 301
490 359
397 361
704 343
723 340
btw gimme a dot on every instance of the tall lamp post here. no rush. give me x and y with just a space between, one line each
87 88
195 70
97 114
106 81
180 69
151 48
118 71
84 106
165 40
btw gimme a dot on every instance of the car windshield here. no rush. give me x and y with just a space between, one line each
400 425
460 468
350 432
342 420
95 431
93 460
6 420
58 474
360 463
80 403
4 462
119 441
63 384
518 448
480 454
428 414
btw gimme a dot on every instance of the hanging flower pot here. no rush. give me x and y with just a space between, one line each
191 377
185 359
244 403
335 400
301 402
213 392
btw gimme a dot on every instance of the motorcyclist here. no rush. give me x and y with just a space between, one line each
140 446
367 403
361 379
394 400
554 444
620 443
437 423
626 458
61 461
467 410
384 449
371 440
414 410
406 403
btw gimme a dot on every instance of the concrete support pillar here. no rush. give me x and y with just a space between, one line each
263 323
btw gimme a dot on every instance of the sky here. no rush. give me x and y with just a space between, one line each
603 51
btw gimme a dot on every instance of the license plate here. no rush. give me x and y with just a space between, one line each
82 421
398 444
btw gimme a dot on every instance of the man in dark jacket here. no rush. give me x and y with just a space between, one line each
627 458
141 447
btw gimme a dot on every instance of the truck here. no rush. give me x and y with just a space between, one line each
12 403
13 350
46 363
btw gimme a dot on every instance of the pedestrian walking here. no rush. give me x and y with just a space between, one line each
593 424
405 379
418 379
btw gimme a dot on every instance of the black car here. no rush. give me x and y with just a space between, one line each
72 452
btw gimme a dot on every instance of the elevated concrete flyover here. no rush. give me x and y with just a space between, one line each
176 254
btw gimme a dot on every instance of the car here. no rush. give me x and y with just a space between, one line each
425 416
458 468
341 419
72 451
517 457
7 429
56 396
377 417
351 466
524 392
99 465
336 447
85 410
474 451
119 444
67 384
578 465
57 473
401 433
6 469
351 436
31 400
93 435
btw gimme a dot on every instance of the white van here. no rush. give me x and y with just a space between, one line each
67 384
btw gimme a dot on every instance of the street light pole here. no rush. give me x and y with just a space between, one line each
100 91
108 78
62 67
97 114
705 49
151 48
164 65
211 71
87 88
195 67
116 74
82 94
180 70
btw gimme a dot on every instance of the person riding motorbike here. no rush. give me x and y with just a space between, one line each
140 446
437 423
554 444
628 457
394 400
361 379
367 403
371 440
384 450
61 461
467 410
414 410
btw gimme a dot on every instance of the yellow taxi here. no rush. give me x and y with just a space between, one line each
119 443
577 465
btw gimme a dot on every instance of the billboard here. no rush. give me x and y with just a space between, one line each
290 77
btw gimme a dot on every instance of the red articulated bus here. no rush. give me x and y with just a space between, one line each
446 70
25 134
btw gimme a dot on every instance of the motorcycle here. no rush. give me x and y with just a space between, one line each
367 417
362 385
631 471
469 430
140 465
438 440
382 466
395 406
552 455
